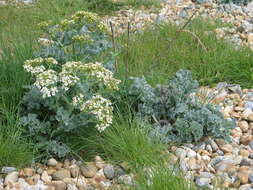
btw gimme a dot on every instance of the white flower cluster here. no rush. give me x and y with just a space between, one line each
35 66
94 70
45 41
47 83
102 74
97 105
68 79
82 39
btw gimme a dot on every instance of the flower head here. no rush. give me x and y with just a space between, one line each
82 39
47 83
34 66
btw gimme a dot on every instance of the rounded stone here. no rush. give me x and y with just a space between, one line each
88 170
202 182
11 178
52 162
74 170
244 126
109 171
59 185
28 172
6 170
61 174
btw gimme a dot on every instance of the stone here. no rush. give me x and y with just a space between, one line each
251 144
244 126
180 153
244 153
52 162
72 187
227 148
99 162
59 165
250 38
45 177
39 171
28 172
245 139
51 171
66 163
125 179
193 164
251 177
245 162
109 171
59 185
89 169
245 114
223 166
250 117
202 182
6 169
213 144
61 174
191 153
11 178
74 170
183 165
243 177
249 105
245 187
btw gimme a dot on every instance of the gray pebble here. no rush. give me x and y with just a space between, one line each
109 171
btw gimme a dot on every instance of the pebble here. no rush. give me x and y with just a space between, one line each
74 170
52 162
88 170
125 179
181 153
109 171
61 174
11 178
6 170
59 185
251 144
203 182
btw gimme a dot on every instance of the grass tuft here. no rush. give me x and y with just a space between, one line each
159 52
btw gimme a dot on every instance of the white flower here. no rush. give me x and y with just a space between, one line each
47 83
97 105
51 60
102 109
34 66
45 41
94 71
68 79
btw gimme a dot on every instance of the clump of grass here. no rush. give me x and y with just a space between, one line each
127 141
14 149
160 51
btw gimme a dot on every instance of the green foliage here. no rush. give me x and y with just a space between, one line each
177 114
68 95
80 38
14 149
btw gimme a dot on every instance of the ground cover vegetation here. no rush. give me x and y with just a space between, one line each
68 89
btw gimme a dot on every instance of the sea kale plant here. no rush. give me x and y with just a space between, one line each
68 95
176 113
82 37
